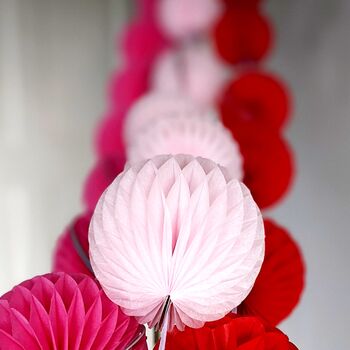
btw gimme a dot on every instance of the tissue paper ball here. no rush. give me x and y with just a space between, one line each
242 35
279 285
100 177
230 333
128 85
268 163
193 134
177 229
255 98
181 19
155 106
72 248
142 42
109 139
59 311
145 9
194 71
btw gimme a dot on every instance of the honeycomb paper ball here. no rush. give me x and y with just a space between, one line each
71 253
176 232
193 134
181 19
154 106
230 333
194 71
65 312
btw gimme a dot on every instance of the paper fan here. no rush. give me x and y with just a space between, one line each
195 134
242 35
63 312
72 248
100 177
194 71
280 282
181 19
175 241
255 98
230 333
155 106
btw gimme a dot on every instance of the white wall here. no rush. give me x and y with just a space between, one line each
55 57
313 55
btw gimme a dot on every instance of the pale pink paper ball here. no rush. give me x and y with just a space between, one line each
176 228
155 106
194 71
181 19
193 134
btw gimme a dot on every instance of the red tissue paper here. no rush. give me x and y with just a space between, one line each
268 163
230 333
242 35
280 282
255 98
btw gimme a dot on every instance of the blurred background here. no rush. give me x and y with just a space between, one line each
55 60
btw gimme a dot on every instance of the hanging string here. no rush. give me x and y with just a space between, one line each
137 338
163 323
79 249
164 332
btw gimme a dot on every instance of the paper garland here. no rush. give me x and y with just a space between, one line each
255 107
